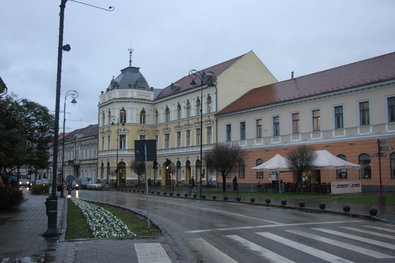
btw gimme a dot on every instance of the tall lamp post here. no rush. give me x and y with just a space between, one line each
52 200
74 94
205 78
116 121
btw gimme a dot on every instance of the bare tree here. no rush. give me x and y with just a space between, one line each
139 169
225 159
301 159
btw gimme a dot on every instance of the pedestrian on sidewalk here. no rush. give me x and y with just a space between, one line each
235 185
192 186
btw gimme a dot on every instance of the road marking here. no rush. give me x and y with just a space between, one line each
210 251
344 245
369 232
381 228
261 251
151 252
305 249
265 226
358 238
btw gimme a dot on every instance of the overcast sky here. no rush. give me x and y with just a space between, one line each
171 37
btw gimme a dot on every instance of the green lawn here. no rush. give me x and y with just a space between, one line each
78 228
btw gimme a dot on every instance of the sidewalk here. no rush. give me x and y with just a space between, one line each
21 232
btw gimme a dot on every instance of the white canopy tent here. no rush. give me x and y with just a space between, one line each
277 163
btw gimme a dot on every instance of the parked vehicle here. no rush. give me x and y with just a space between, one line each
94 185
75 185
83 182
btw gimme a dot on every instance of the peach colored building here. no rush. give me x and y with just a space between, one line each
346 110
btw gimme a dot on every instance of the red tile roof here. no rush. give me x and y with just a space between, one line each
184 83
364 72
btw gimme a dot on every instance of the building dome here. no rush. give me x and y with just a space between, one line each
130 78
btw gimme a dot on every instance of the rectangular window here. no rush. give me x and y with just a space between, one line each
102 143
316 120
188 137
242 130
339 117
122 141
167 141
198 136
276 126
109 143
364 113
178 139
209 135
142 137
295 123
259 128
391 109
228 132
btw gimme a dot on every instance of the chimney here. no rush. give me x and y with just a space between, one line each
292 75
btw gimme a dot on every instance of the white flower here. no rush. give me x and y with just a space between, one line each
102 222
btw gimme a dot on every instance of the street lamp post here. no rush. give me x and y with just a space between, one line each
206 78
52 201
115 120
74 94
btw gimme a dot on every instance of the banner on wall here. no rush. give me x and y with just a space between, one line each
346 187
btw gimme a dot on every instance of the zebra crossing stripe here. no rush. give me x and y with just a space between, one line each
269 255
151 252
381 228
358 238
369 232
210 251
344 245
305 249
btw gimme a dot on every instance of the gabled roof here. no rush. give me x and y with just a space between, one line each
184 83
91 130
364 72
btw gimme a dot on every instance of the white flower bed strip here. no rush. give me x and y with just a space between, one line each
102 222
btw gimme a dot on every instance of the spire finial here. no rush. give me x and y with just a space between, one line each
130 54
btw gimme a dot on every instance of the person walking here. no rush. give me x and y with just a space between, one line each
192 186
235 185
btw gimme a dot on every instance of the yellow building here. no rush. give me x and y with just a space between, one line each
130 110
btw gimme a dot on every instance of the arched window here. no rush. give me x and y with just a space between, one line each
188 109
122 115
242 169
209 104
392 160
198 107
365 169
341 173
156 117
103 119
259 175
179 111
109 116
167 114
142 116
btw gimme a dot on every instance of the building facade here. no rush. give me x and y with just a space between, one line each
348 110
130 110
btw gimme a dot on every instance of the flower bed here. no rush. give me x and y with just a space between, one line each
102 223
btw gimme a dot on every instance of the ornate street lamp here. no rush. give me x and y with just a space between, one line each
206 79
74 94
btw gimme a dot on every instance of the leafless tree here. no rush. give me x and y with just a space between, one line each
139 169
300 159
225 159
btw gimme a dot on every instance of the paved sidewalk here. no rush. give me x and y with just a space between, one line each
21 232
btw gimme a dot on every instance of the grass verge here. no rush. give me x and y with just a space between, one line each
77 226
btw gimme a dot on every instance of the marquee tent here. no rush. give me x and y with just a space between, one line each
277 163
